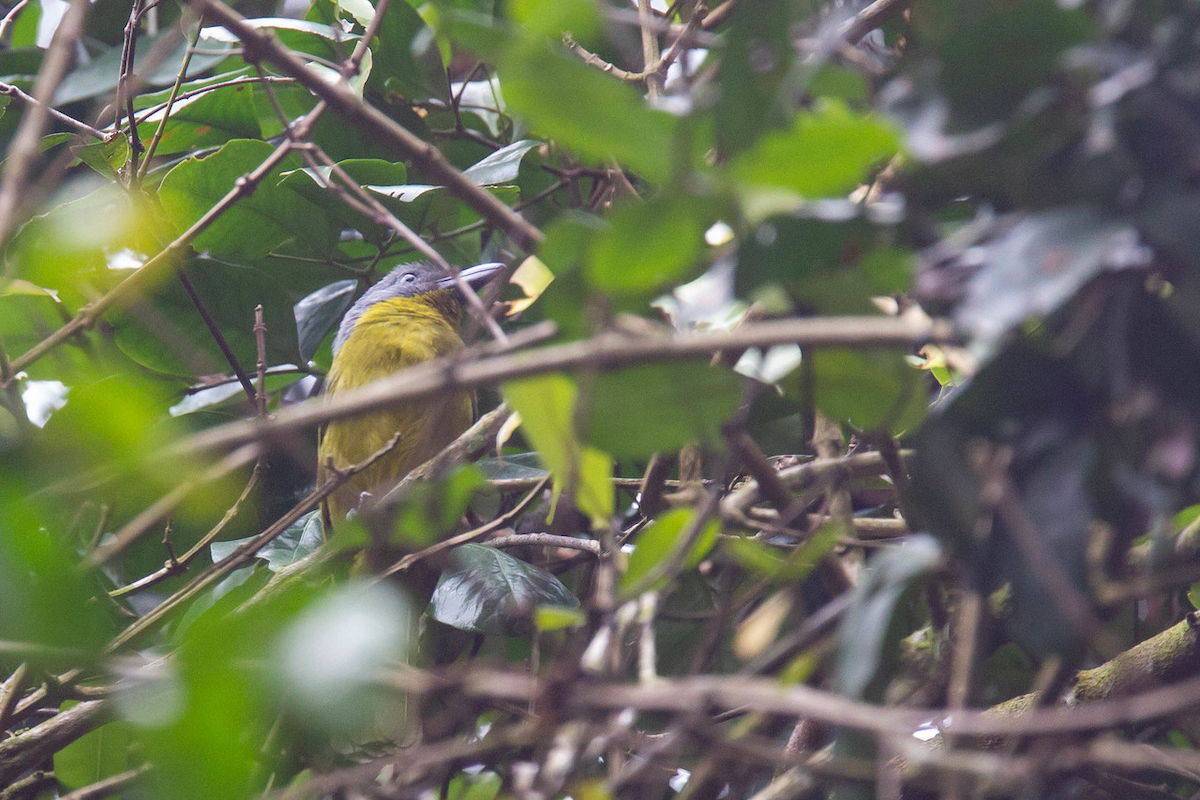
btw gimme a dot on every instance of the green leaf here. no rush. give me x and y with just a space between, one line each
863 635
204 120
649 244
869 390
488 591
756 58
168 334
253 226
94 756
588 111
319 313
501 166
642 410
658 543
208 397
826 152
407 60
301 539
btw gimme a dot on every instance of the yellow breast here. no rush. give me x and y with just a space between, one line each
391 335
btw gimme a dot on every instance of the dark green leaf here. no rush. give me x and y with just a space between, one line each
864 631
489 591
660 408
319 313
649 244
94 756
255 225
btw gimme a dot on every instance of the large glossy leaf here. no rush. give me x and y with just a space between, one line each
501 166
488 591
255 225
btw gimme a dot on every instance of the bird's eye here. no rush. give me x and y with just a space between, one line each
409 277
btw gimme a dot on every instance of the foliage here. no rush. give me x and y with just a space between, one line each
850 379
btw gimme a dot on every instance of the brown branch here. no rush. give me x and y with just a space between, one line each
66 119
342 99
26 750
108 786
607 351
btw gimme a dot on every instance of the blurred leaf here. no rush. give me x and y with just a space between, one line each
489 591
658 542
993 53
642 410
869 390
1036 263
94 756
826 152
649 244
532 277
320 312
255 225
863 635
407 60
557 618
431 509
587 110
331 657
758 54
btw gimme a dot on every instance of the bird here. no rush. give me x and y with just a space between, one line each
411 316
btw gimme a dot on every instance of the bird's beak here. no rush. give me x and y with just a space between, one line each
475 277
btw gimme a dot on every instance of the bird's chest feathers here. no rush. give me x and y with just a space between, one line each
391 335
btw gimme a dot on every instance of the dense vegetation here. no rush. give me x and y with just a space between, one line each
841 399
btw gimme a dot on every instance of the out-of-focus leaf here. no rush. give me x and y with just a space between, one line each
407 62
588 111
489 591
757 55
649 244
319 313
993 54
869 390
826 152
432 509
658 542
332 655
532 277
71 247
863 635
255 225
94 756
642 410
1037 263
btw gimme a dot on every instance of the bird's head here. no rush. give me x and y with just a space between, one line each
420 279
